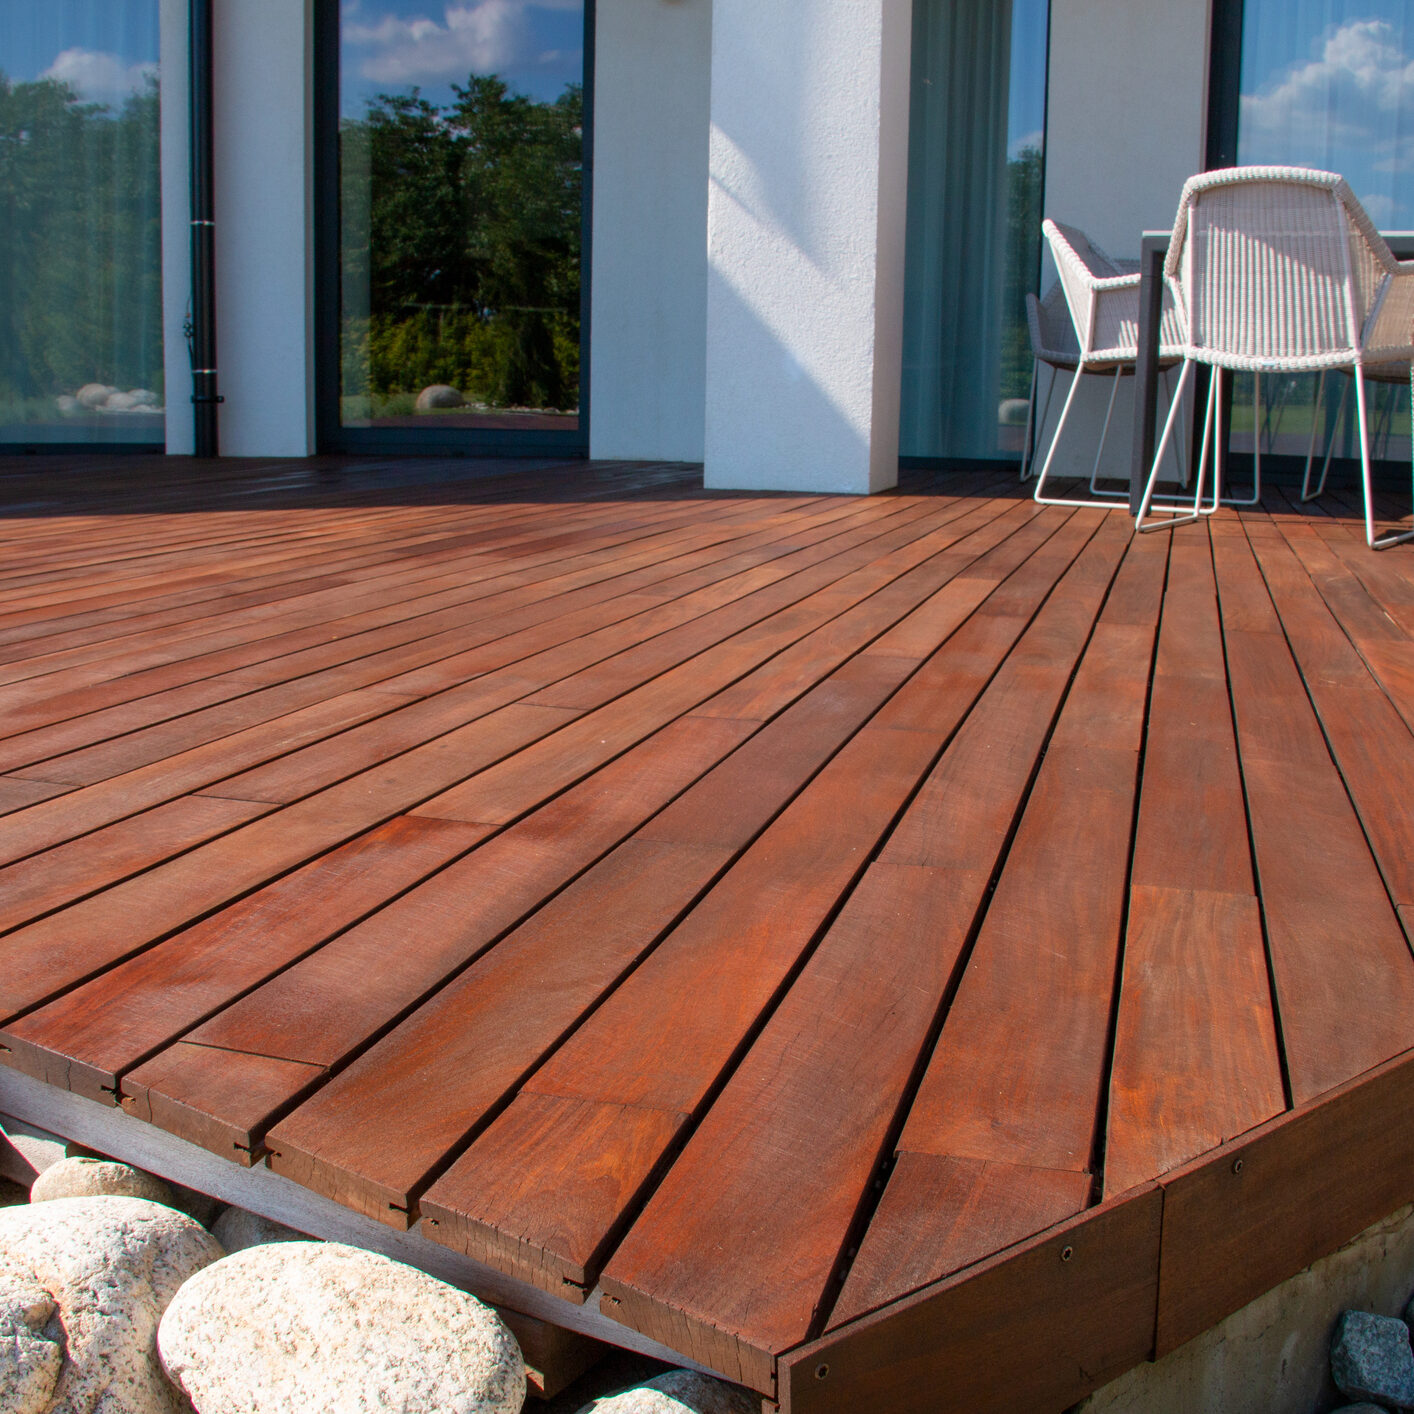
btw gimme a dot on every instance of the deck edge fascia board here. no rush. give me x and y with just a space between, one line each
1085 1292
114 1132
1307 1182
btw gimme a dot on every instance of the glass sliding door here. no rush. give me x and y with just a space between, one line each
80 224
1329 84
455 286
976 158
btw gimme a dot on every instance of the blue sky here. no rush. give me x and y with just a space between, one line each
104 48
1330 83
388 46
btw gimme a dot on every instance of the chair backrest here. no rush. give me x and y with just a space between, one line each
1079 262
1052 333
1275 267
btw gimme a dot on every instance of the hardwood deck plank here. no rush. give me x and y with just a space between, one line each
1044 962
1332 932
92 1034
1196 1057
661 1040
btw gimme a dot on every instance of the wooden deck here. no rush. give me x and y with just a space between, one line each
833 935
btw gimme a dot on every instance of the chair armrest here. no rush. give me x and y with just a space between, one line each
1390 332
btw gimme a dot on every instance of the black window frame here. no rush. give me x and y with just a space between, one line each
330 435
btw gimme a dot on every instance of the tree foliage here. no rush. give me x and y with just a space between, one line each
80 262
461 245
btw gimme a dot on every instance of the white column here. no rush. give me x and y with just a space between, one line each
264 226
176 224
648 294
805 243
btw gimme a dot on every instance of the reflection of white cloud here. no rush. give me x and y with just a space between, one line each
1378 206
480 36
98 77
1347 98
1019 145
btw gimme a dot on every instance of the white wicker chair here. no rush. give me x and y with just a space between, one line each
1279 270
1102 297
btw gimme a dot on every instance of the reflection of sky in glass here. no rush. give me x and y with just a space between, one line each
1026 98
390 46
103 48
1330 84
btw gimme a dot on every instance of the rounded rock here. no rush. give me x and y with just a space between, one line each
110 1266
678 1392
316 1325
67 405
439 395
144 398
93 395
120 402
31 1343
1372 1360
1013 412
236 1229
98 1178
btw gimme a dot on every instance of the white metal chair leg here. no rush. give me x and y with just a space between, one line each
1330 447
1306 493
1171 518
1030 420
1038 494
1256 449
1393 537
1104 432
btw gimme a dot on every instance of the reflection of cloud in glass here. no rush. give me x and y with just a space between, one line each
1034 140
1350 96
99 77
1347 108
482 36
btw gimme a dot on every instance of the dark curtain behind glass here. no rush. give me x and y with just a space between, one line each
80 223
974 216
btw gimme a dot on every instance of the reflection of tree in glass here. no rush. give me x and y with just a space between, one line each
80 266
1023 255
461 253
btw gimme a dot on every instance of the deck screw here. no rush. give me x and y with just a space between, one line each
1237 1166
1067 1253
821 1371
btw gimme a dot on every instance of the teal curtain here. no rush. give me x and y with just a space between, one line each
80 223
974 189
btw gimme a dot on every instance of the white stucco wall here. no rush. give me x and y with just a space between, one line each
264 231
648 296
805 243
1126 126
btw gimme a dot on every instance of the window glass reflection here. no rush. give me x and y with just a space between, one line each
461 149
1330 84
80 212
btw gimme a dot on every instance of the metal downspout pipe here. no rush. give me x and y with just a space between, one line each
202 325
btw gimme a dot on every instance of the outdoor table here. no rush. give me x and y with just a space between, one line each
1153 249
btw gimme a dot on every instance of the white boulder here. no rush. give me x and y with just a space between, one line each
31 1343
111 1265
236 1229
439 395
98 1178
678 1392
322 1326
94 395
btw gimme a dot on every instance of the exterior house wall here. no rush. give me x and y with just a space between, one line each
648 292
805 243
750 174
1126 125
